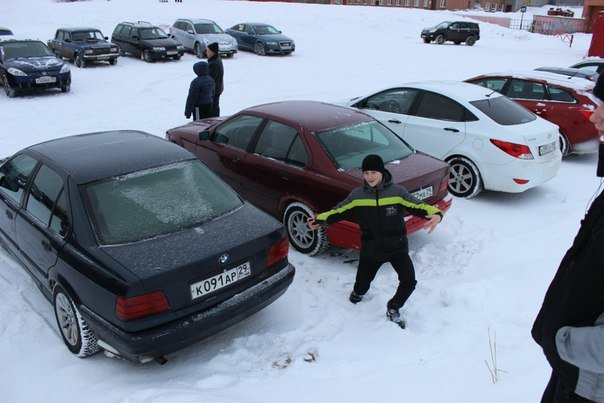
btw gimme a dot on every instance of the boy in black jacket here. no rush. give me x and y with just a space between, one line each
379 207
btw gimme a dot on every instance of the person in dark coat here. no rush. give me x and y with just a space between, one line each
379 207
217 73
201 93
570 325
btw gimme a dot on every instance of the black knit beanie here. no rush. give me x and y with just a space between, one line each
213 47
373 162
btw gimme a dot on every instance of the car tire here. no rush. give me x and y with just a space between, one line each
79 61
198 51
426 40
146 55
440 39
471 40
301 237
565 147
177 57
122 52
66 88
10 91
74 330
259 49
464 178
113 61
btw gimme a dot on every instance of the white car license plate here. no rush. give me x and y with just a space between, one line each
172 52
46 80
547 148
423 193
209 285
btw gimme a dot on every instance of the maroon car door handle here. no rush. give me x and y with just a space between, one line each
235 159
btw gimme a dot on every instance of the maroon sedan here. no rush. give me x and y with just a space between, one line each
565 101
295 158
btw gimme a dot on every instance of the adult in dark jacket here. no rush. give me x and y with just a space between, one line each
379 207
201 93
570 325
217 73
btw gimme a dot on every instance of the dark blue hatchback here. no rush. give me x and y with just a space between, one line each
30 65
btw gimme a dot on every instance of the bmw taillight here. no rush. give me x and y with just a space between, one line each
130 308
515 150
277 252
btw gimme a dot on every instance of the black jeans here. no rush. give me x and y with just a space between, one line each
216 106
558 392
402 264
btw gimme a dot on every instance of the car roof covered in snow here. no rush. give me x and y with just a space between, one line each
94 156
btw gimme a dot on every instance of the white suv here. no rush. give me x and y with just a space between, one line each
196 34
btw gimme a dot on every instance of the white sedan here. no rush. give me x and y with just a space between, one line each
489 141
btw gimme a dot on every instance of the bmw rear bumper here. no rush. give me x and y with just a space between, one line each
147 345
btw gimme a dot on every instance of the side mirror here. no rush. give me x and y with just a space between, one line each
204 135
106 38
280 32
67 40
135 37
221 138
190 31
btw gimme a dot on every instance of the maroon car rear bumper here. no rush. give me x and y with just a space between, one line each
347 234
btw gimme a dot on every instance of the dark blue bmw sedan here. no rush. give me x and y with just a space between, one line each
30 65
140 248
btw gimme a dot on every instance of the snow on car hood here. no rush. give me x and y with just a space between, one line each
35 63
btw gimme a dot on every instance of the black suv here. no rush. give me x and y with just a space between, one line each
453 31
146 41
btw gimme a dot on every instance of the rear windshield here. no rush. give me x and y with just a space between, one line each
13 50
156 201
504 111
347 146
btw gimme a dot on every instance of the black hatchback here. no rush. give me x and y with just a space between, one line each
452 31
140 248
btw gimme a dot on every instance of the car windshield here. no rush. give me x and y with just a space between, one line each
156 201
265 30
152 33
90 36
208 29
347 146
442 25
13 50
504 111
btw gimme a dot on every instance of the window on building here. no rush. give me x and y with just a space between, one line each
494 7
442 3
426 3
415 3
407 3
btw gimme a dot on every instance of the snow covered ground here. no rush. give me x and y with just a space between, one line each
482 275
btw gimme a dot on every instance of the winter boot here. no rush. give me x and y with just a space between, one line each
354 297
394 316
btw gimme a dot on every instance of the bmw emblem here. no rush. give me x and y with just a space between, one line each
224 258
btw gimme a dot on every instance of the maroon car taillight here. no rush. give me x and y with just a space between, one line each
444 183
130 308
515 150
587 113
278 252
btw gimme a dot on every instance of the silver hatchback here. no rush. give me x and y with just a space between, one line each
196 34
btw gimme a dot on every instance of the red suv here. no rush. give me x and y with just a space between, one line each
295 158
565 101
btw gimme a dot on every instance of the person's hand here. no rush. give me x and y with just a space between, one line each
433 221
312 223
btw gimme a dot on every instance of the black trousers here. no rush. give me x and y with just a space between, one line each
216 106
202 112
558 392
402 264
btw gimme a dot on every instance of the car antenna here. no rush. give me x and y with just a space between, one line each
489 95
